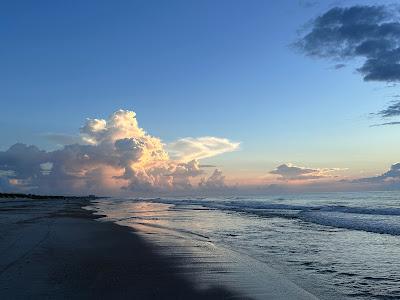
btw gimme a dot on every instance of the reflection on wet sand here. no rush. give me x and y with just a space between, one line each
181 235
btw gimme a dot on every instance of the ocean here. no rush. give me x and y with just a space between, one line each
332 245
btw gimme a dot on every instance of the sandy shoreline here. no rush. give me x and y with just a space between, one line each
54 249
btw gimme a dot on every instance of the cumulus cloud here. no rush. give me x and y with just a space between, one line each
24 160
289 172
5 186
371 33
389 180
389 177
187 149
215 181
111 155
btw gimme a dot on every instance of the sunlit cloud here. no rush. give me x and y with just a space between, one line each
187 149
113 155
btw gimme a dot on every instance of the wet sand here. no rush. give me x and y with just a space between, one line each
55 249
176 235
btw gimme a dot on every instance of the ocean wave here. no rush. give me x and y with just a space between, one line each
249 204
370 223
383 220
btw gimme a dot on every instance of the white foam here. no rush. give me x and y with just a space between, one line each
385 220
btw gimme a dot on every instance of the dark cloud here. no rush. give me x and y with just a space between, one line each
371 33
339 66
392 110
291 172
387 123
307 3
215 181
390 178
207 166
23 161
5 186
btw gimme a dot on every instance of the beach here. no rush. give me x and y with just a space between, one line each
292 247
54 249
200 150
298 246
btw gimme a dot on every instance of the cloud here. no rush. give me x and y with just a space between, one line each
121 124
289 172
339 66
392 110
215 181
307 3
392 176
24 160
389 180
5 186
371 33
110 156
387 123
187 149
207 166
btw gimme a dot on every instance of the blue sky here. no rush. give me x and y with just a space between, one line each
191 69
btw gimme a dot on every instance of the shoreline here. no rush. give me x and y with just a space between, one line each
177 235
54 248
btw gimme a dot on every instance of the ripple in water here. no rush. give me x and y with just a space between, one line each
334 245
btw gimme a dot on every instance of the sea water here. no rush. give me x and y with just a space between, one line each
333 245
